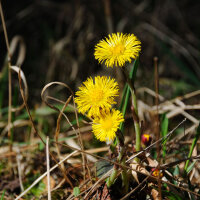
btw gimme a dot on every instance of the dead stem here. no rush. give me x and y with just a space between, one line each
81 145
58 129
9 78
48 169
156 76
18 158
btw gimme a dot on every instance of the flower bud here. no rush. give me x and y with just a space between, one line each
155 172
146 139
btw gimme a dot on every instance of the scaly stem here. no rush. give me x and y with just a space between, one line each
125 180
112 177
121 159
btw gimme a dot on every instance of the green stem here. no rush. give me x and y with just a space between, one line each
125 180
121 159
137 130
112 177
136 122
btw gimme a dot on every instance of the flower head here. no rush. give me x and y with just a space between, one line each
95 96
146 139
105 126
156 172
117 49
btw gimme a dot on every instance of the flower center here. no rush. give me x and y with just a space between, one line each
96 95
107 124
118 50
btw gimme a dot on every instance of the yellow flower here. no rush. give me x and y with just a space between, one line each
117 49
105 126
156 172
95 96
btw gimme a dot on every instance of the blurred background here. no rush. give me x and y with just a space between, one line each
60 37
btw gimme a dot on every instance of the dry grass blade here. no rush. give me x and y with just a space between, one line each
58 129
9 77
48 169
17 123
4 150
22 49
54 83
41 177
18 158
81 144
172 164
18 70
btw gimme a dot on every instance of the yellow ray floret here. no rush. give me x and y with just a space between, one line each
105 126
97 95
117 49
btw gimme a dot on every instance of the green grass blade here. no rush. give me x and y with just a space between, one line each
123 96
121 127
192 147
133 72
3 195
164 131
189 169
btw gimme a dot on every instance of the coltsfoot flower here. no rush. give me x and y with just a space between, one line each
117 49
105 126
95 96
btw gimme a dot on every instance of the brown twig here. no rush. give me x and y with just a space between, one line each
156 76
9 77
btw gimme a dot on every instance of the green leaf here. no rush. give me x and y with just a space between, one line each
189 169
171 195
176 171
45 110
3 195
192 147
41 146
76 191
164 131
102 167
39 189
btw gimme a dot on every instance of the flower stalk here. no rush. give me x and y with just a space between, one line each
136 121
112 177
134 110
121 159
